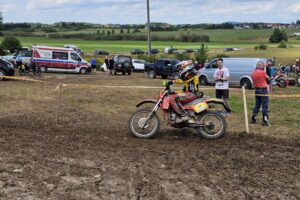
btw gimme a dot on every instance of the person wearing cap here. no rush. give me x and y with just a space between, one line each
260 82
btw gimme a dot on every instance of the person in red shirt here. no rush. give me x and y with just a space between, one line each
260 82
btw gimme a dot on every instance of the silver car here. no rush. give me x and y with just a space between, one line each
240 70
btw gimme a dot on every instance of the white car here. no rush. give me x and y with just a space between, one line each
139 65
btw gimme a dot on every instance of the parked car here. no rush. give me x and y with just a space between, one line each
153 51
58 59
170 50
240 70
75 48
233 49
6 69
188 51
139 65
100 52
123 64
24 57
163 68
10 58
137 52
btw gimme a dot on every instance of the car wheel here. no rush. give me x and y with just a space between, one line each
83 71
203 80
129 73
152 74
123 73
246 82
2 73
164 76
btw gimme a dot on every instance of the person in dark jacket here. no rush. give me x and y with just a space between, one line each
106 61
111 65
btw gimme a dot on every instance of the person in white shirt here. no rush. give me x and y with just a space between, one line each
222 77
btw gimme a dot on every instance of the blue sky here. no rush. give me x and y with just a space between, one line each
134 11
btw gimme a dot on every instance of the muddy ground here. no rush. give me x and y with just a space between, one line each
90 155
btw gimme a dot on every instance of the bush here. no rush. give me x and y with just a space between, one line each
2 53
183 56
133 37
261 47
283 44
11 43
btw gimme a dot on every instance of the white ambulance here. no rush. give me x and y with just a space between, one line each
56 59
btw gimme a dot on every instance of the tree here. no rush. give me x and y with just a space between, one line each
108 32
11 43
122 31
1 23
298 22
113 32
103 32
128 30
202 54
278 35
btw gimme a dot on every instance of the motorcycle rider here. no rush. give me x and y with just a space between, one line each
189 78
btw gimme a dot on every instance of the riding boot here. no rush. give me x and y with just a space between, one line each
253 119
266 121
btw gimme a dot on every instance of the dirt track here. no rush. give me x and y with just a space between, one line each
91 156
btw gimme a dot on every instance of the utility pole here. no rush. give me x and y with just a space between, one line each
148 27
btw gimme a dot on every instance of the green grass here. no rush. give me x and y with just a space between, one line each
245 38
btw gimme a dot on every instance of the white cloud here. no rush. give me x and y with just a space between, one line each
35 4
294 7
7 7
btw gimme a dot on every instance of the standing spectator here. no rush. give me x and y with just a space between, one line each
297 65
111 65
271 73
93 64
222 78
106 61
206 63
260 82
287 70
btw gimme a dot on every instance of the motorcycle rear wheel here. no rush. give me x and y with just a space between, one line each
209 119
22 72
281 83
136 123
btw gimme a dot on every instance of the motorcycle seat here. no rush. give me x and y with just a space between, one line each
196 101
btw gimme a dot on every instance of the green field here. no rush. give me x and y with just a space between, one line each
219 39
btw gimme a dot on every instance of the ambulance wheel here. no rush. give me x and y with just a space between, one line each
83 71
43 69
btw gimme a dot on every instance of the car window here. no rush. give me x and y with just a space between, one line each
175 62
74 56
123 59
60 55
212 65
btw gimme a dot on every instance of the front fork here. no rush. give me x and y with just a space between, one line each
156 107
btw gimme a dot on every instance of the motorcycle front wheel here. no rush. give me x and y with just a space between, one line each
37 71
281 83
213 125
139 129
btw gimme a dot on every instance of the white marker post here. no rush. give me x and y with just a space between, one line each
245 109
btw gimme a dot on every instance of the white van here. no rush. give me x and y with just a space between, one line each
240 70
59 60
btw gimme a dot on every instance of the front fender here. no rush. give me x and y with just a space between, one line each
145 102
218 101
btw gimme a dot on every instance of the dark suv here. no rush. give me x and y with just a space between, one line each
6 69
163 67
137 52
123 64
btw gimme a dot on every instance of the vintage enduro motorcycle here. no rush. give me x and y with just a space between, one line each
209 123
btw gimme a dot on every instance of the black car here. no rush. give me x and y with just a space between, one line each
123 64
100 52
163 67
6 69
153 51
137 52
189 51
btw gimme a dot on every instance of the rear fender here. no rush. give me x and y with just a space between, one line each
218 101
148 101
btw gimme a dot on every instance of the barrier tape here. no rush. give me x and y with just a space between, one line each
139 87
